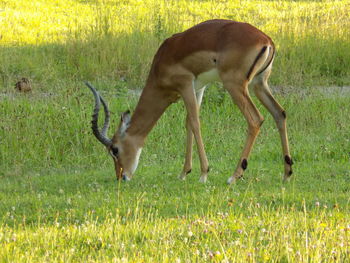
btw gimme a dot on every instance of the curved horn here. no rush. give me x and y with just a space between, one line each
101 136
106 124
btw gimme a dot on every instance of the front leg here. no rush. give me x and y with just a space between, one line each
189 145
192 108
189 139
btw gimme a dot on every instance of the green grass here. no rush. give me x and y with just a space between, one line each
59 199
50 41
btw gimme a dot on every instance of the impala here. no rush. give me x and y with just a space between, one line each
234 53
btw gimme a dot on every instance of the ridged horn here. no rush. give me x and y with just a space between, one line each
101 136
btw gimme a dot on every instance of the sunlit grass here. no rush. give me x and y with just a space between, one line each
267 236
42 22
94 39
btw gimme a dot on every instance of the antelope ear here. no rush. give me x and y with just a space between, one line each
124 122
125 118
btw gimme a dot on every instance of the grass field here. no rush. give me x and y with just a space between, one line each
59 200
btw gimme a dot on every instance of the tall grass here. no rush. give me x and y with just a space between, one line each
50 40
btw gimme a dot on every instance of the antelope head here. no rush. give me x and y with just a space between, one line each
121 147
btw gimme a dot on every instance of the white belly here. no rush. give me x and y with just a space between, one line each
205 78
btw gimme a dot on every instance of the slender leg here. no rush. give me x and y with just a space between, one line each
189 141
262 91
193 122
240 95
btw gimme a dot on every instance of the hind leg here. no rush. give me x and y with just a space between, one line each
240 95
262 91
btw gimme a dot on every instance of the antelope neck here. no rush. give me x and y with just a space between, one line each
150 107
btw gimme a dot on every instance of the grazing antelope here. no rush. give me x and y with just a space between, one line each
234 53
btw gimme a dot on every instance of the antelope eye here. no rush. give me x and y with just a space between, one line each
114 151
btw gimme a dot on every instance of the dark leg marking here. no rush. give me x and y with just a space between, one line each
288 160
188 171
284 114
261 123
208 169
244 164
